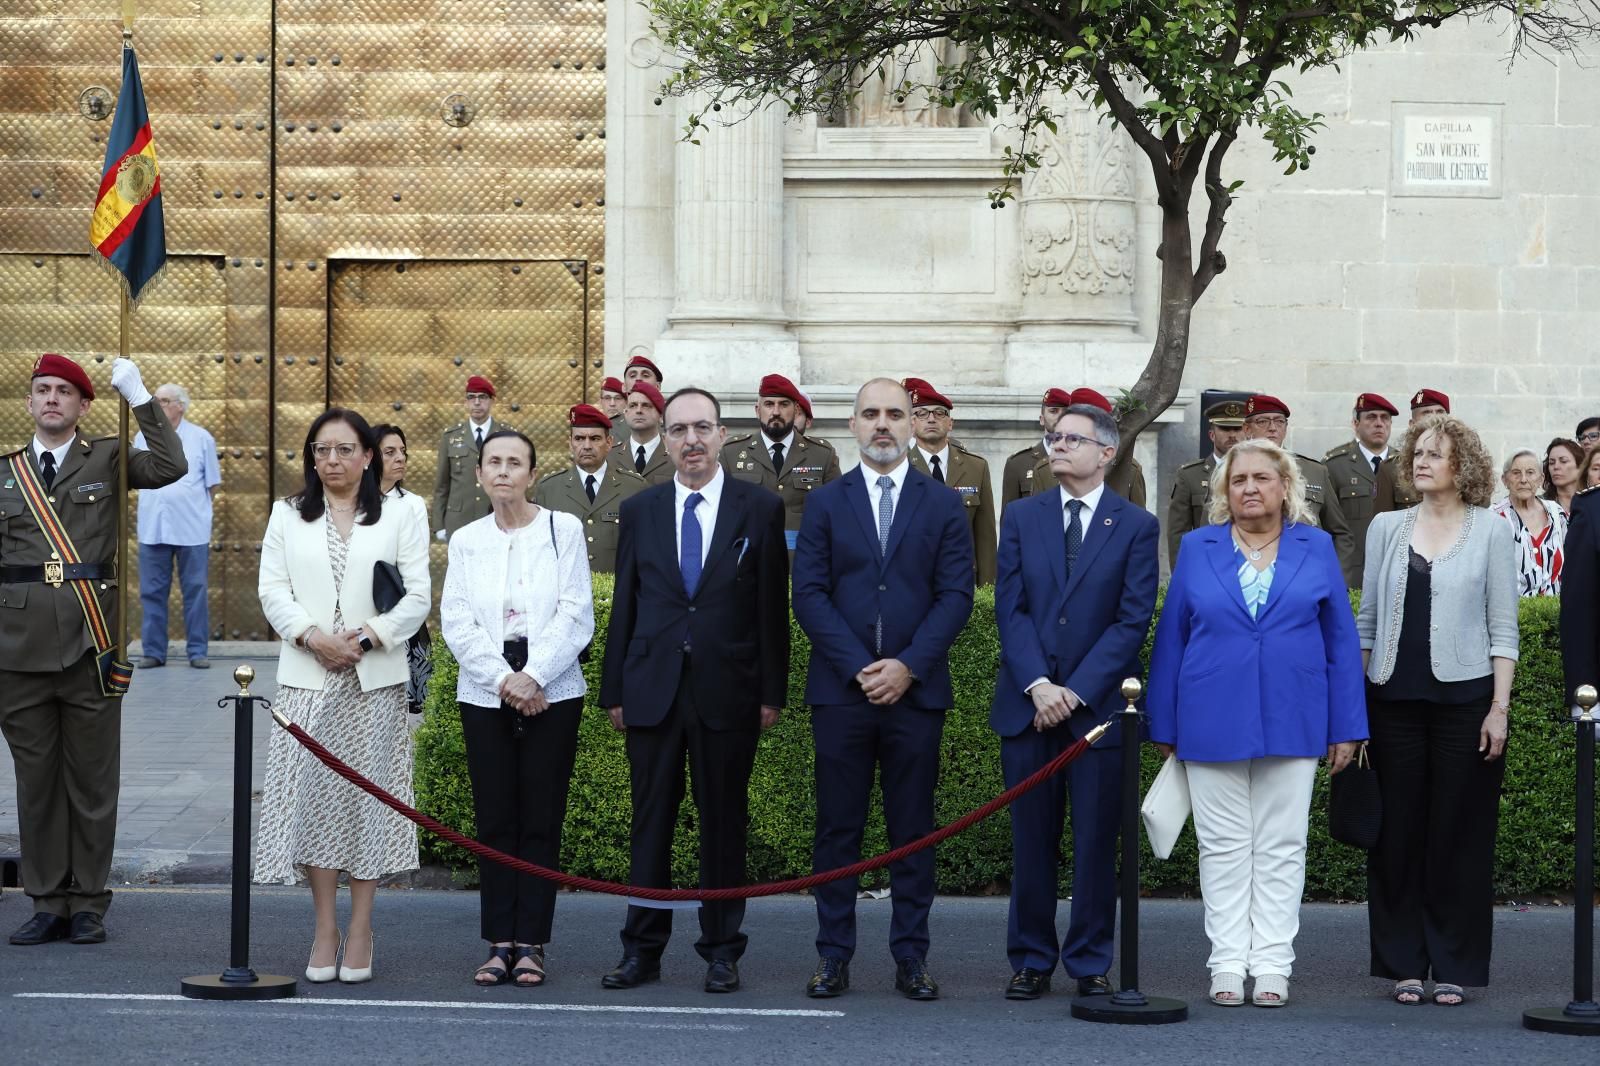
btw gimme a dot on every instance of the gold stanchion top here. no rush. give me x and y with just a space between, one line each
1586 697
1132 689
244 673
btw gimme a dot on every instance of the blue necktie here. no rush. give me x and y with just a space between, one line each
689 550
885 521
1074 534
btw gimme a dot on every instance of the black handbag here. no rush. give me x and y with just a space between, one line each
387 587
1355 804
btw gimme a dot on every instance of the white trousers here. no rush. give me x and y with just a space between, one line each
1250 818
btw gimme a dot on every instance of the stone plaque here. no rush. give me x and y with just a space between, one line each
1448 150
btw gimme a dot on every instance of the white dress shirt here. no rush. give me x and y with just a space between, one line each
1370 455
788 445
59 451
898 476
649 446
599 476
473 427
706 512
943 455
1091 503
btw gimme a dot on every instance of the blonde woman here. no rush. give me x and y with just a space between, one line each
1438 627
1255 675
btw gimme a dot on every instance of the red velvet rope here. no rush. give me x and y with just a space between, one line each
667 895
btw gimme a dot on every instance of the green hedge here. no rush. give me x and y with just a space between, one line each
1534 855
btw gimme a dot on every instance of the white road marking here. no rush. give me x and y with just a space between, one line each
416 1004
384 1019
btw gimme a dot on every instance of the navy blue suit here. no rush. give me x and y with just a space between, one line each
921 589
1084 633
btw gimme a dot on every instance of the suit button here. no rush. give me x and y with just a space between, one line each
591 540
883 588
691 611
1061 621
591 521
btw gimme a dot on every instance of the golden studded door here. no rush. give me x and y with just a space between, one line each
404 337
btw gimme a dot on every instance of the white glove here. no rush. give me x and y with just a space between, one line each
126 380
440 536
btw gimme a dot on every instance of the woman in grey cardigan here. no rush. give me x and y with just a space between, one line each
1438 627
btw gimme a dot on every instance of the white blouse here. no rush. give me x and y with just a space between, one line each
536 585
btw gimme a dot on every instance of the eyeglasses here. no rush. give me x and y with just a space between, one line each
478 396
930 414
343 451
680 430
1268 421
1072 441
1590 437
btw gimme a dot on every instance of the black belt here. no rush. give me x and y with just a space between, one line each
56 573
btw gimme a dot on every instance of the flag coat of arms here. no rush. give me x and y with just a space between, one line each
128 230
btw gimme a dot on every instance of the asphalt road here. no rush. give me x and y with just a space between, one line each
421 1006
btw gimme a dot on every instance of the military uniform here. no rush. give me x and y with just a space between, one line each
64 733
658 469
968 475
564 491
1363 494
1323 503
809 464
619 430
1190 500
1026 471
457 496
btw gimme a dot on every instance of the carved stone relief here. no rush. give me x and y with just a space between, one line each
897 94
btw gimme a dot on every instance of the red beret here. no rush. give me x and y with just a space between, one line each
1262 404
479 383
614 385
651 393
1371 401
587 415
805 404
640 360
779 386
1427 397
51 365
925 395
1092 398
1057 398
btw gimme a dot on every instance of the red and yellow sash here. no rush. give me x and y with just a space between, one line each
114 675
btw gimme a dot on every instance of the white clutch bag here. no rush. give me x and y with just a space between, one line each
1166 807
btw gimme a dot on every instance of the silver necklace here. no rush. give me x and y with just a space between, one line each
1254 554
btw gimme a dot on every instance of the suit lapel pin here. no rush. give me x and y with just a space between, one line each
1108 521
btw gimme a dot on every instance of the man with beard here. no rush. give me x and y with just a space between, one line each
882 586
781 458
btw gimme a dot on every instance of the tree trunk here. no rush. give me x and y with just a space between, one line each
1158 385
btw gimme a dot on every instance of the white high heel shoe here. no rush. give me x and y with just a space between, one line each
321 975
350 975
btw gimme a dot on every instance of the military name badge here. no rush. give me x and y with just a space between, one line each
611 516
1028 474
11 483
967 490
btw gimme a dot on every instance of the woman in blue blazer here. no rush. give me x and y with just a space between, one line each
1256 674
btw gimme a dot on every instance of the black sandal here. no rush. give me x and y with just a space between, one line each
533 954
499 974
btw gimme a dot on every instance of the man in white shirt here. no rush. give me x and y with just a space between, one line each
644 412
175 524
457 496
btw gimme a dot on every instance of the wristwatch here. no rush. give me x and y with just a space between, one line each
366 643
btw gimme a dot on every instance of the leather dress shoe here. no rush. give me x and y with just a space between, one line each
831 977
200 662
911 978
722 976
1028 983
42 928
632 972
1094 986
150 663
88 928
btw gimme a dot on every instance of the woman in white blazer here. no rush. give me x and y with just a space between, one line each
342 677
517 612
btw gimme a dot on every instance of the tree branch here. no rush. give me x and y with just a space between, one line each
1212 261
1125 113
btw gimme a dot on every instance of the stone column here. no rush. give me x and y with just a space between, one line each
727 320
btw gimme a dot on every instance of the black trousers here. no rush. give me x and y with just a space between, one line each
900 745
1430 880
719 769
519 793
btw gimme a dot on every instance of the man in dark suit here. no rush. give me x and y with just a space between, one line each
1580 595
1076 587
882 586
696 664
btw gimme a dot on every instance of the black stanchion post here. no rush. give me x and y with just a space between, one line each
1581 1017
1129 1006
239 981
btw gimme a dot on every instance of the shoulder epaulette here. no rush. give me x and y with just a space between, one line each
741 441
1343 449
1192 462
817 441
1019 453
1307 459
558 473
624 473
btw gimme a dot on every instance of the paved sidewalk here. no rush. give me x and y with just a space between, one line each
175 819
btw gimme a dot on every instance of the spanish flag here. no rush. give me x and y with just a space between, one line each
128 230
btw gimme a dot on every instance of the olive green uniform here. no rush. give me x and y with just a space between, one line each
1026 471
1190 500
457 496
619 429
65 735
1324 505
968 476
1362 494
658 468
810 463
564 491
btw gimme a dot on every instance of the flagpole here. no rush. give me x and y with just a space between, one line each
122 435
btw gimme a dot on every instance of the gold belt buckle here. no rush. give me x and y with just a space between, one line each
54 573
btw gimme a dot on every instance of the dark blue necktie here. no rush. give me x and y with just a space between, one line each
689 541
47 467
1074 533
